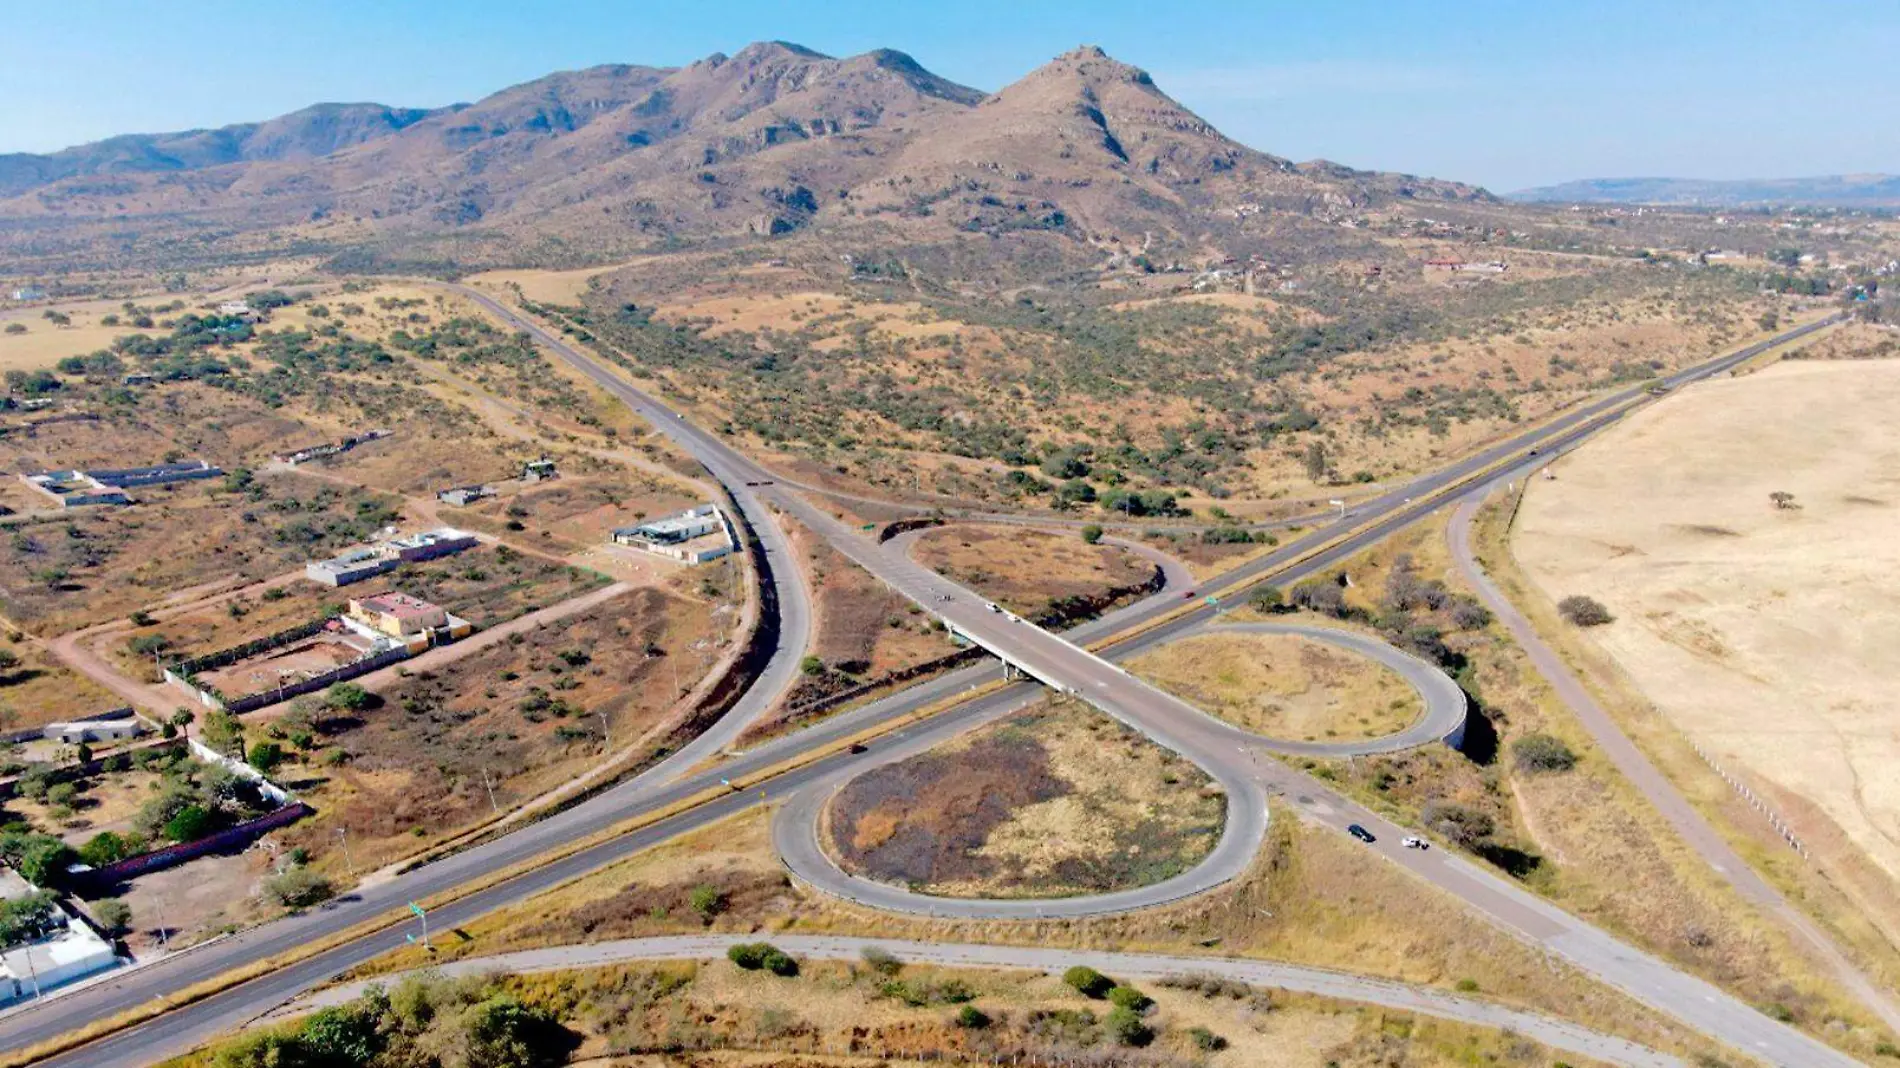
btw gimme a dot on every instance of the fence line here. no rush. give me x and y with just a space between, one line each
1741 789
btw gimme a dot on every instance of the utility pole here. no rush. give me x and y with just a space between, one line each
606 736
343 835
496 809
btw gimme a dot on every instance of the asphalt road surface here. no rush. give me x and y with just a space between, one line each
182 1028
1404 997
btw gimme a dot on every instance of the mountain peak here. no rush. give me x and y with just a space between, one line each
771 51
1091 62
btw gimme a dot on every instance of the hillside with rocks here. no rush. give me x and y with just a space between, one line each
1087 151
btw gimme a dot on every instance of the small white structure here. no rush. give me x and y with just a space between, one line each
371 560
694 536
66 950
93 730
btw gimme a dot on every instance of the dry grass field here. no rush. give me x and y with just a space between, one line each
836 1014
40 689
520 717
1283 685
1585 838
1026 570
1055 801
1759 631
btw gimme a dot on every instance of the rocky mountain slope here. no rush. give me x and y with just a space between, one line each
773 140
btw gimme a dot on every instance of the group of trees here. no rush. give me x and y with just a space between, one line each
422 1022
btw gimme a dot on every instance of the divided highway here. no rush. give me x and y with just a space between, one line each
1172 723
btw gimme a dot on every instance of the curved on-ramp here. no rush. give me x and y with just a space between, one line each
1387 993
1225 752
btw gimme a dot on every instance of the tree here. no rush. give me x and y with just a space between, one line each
503 1033
9 660
1316 461
265 755
1267 599
1466 826
1542 752
812 665
114 915
341 1035
25 918
1583 611
1319 595
1783 499
1092 534
104 848
189 824
223 732
347 697
44 860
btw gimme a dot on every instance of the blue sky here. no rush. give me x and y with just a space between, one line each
1504 94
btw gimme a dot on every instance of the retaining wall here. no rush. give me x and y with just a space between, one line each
171 856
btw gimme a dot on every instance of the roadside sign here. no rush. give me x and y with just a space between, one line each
417 909
1210 600
868 526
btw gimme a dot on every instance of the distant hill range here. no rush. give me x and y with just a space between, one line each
774 140
1833 190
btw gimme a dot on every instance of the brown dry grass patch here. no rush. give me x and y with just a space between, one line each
1055 801
1283 685
1025 570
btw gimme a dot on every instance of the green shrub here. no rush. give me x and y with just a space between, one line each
780 963
1126 1027
881 961
1127 997
190 824
114 915
1088 981
1092 534
748 955
707 901
297 887
266 755
1206 1041
972 1018
1583 611
1542 752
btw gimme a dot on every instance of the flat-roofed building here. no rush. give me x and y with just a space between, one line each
693 536
430 544
398 615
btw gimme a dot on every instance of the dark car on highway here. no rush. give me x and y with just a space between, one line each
1360 833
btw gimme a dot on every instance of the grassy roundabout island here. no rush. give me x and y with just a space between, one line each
1055 801
1284 686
